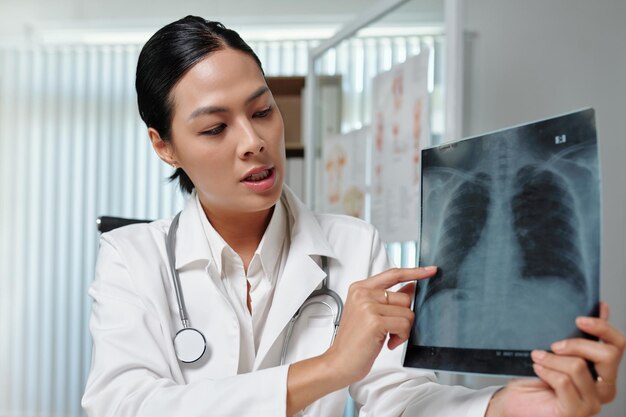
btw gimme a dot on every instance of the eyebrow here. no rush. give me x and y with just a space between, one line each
218 109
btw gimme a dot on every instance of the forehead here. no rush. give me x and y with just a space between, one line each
223 78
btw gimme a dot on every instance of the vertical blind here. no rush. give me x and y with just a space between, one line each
72 147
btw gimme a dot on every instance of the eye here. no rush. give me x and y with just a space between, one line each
263 113
215 131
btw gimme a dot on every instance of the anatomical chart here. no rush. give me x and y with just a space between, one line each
401 129
344 182
512 220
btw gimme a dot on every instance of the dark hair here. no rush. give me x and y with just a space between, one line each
163 61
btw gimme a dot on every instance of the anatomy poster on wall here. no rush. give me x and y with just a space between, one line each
401 129
344 171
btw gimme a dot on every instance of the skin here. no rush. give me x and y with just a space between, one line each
566 387
224 124
217 148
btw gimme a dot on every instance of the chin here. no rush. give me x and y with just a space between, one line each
263 201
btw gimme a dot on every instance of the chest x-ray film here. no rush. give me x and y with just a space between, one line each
512 220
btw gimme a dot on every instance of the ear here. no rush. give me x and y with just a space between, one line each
163 148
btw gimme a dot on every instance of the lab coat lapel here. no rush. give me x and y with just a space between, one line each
191 242
301 274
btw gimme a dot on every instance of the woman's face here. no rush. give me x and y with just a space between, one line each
228 134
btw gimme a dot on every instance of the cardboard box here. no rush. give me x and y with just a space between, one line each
287 92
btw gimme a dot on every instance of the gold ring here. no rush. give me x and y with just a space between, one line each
386 297
601 380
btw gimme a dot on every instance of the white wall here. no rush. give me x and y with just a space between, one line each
530 59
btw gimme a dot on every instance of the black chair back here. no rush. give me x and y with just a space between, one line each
108 223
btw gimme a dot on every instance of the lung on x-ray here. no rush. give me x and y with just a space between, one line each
512 220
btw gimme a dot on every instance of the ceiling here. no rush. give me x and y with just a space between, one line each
20 20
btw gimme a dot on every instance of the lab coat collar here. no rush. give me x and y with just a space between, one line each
191 242
217 244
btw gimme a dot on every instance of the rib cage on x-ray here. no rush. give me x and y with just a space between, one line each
512 222
544 222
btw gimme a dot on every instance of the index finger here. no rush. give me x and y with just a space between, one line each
395 276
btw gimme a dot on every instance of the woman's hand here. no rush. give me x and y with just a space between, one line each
566 387
370 314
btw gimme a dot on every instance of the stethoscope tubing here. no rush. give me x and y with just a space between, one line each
171 257
170 244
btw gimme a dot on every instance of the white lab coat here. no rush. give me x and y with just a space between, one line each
135 371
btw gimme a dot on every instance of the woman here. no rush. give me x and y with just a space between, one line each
248 254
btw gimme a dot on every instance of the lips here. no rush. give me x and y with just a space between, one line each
260 180
257 174
258 177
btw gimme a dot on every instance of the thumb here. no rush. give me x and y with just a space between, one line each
604 311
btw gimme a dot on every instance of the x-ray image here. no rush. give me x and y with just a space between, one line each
512 220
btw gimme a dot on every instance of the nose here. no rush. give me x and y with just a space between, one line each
250 142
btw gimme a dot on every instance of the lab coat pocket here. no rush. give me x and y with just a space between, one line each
320 321
312 333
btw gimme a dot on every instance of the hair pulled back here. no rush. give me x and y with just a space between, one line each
163 61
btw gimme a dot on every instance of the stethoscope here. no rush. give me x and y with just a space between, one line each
190 343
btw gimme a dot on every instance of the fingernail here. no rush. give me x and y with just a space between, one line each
538 368
430 268
560 345
585 321
538 354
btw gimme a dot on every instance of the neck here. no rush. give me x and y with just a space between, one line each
242 231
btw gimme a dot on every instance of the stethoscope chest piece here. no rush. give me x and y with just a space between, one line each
189 344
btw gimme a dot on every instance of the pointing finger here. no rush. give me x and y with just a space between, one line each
395 276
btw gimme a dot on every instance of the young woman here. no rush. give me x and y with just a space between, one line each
248 253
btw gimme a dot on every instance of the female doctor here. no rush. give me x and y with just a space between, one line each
248 253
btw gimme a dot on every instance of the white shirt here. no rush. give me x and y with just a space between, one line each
226 268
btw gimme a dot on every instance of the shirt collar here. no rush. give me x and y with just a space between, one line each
269 249
306 236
